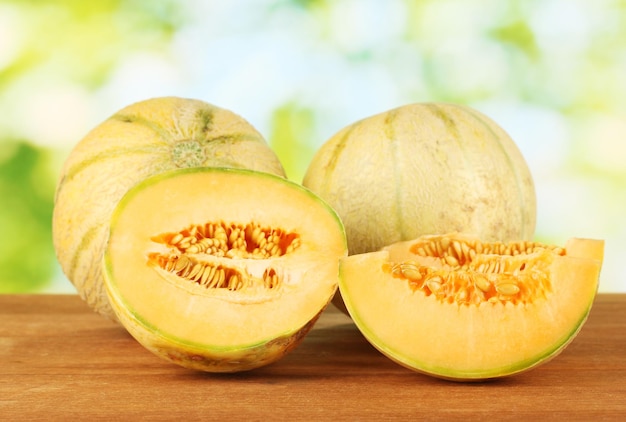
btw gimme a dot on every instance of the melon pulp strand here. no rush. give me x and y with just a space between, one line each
454 307
221 270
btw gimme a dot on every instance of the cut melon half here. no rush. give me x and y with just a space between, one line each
221 270
454 307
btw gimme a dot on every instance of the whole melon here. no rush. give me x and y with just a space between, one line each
425 168
143 139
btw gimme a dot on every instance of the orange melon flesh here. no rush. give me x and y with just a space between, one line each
469 341
217 329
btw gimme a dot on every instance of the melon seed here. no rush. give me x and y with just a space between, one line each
181 262
410 270
196 271
507 289
482 283
176 239
434 284
193 249
451 260
210 271
457 248
445 243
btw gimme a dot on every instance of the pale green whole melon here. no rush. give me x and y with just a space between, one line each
422 169
139 141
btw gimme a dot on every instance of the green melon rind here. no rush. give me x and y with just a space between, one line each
205 357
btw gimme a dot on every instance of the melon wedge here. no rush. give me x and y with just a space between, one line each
456 308
221 270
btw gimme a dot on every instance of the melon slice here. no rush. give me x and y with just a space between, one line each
221 270
454 307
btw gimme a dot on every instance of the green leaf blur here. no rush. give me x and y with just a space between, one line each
551 72
26 250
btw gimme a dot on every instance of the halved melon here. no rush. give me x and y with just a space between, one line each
454 307
221 270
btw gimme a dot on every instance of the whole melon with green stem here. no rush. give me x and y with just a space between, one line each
141 140
424 168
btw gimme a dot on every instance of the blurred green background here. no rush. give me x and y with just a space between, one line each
551 72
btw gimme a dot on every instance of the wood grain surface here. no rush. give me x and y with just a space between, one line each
60 361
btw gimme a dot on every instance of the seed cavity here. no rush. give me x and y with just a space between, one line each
231 240
212 255
473 272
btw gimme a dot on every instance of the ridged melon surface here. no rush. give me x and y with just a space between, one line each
425 168
140 140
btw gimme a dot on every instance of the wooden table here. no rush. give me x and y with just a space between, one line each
58 360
